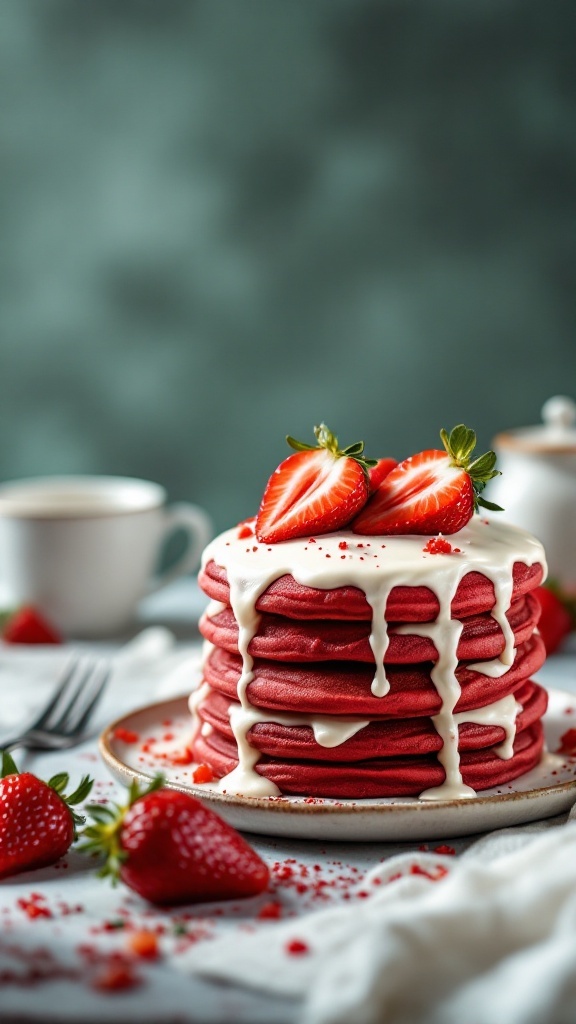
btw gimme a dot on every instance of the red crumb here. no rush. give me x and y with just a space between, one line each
439 873
34 906
270 912
438 546
343 545
180 757
296 947
203 773
144 944
449 850
567 742
126 735
115 977
311 541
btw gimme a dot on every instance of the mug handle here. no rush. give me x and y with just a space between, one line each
198 526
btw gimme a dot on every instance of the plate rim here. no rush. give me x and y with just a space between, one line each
329 805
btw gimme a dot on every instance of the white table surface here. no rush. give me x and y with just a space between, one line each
81 904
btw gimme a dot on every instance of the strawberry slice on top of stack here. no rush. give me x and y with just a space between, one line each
319 489
433 491
323 488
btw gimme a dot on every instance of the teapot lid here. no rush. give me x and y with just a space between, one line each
556 435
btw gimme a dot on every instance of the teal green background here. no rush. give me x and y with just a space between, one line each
225 220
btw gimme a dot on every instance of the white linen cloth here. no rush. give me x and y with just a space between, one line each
494 940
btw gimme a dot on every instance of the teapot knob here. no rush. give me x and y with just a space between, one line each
559 413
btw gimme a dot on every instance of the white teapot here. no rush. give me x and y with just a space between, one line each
537 489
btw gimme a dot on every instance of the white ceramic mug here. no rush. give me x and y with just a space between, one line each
83 549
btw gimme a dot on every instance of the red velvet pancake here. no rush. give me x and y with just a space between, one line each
283 639
344 687
475 594
382 777
391 738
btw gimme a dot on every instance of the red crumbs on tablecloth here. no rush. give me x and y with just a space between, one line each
296 947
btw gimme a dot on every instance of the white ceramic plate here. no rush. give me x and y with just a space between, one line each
547 790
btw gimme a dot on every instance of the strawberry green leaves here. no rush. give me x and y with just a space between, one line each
460 444
327 440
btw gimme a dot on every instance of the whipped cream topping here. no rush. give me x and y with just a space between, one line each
374 565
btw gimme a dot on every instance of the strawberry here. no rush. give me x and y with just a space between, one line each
37 822
379 471
28 626
556 620
169 848
432 492
317 490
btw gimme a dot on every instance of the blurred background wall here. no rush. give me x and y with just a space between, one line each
226 220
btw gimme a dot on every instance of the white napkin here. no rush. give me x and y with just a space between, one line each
493 940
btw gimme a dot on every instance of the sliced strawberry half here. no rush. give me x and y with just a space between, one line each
379 471
431 492
317 490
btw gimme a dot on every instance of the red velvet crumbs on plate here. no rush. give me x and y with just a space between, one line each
203 773
179 757
568 743
568 711
125 735
449 850
296 947
311 541
343 545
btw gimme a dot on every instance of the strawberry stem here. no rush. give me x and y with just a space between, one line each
327 440
103 836
460 444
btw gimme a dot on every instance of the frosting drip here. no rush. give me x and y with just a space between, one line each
376 567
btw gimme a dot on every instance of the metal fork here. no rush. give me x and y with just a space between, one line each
61 723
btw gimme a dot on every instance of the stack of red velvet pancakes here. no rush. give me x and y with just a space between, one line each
353 650
306 697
